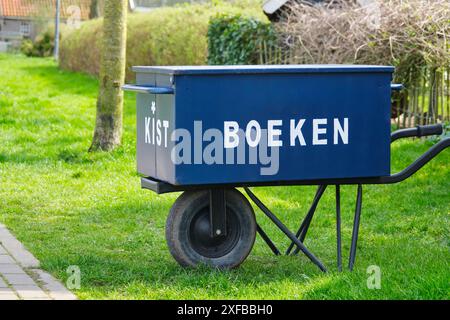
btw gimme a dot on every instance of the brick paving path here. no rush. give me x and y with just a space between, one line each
20 276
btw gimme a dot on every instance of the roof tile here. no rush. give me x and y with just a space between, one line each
42 8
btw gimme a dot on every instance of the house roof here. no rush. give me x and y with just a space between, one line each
42 8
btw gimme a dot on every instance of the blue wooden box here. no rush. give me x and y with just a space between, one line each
256 124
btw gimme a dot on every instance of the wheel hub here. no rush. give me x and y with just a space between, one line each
206 245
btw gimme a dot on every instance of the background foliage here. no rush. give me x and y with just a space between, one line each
164 36
236 39
407 34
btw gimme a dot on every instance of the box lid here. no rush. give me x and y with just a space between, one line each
261 69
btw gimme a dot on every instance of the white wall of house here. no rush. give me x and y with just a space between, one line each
17 28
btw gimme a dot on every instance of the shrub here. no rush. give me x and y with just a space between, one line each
26 47
235 39
79 48
164 36
408 34
42 46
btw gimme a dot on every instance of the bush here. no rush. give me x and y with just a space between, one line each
164 36
408 34
235 39
42 47
27 47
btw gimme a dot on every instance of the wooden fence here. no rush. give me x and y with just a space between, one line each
426 99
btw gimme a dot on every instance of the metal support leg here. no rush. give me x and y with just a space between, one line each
217 212
310 213
313 208
266 238
338 227
301 233
351 261
285 230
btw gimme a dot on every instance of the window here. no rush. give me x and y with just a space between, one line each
25 28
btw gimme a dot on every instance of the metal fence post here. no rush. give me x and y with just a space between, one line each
57 15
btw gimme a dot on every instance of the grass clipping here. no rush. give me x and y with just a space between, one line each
407 34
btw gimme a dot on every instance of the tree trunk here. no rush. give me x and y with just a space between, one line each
93 10
108 126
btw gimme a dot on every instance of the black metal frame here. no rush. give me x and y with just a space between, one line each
299 238
218 201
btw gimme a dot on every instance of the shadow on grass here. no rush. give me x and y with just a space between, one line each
121 249
261 276
134 252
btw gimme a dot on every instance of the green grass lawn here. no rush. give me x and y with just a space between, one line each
70 207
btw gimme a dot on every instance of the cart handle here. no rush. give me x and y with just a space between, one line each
141 88
419 131
397 86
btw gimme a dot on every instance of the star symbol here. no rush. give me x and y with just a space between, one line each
153 108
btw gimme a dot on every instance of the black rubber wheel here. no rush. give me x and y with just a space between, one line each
188 231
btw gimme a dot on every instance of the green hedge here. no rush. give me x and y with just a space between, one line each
237 39
164 36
